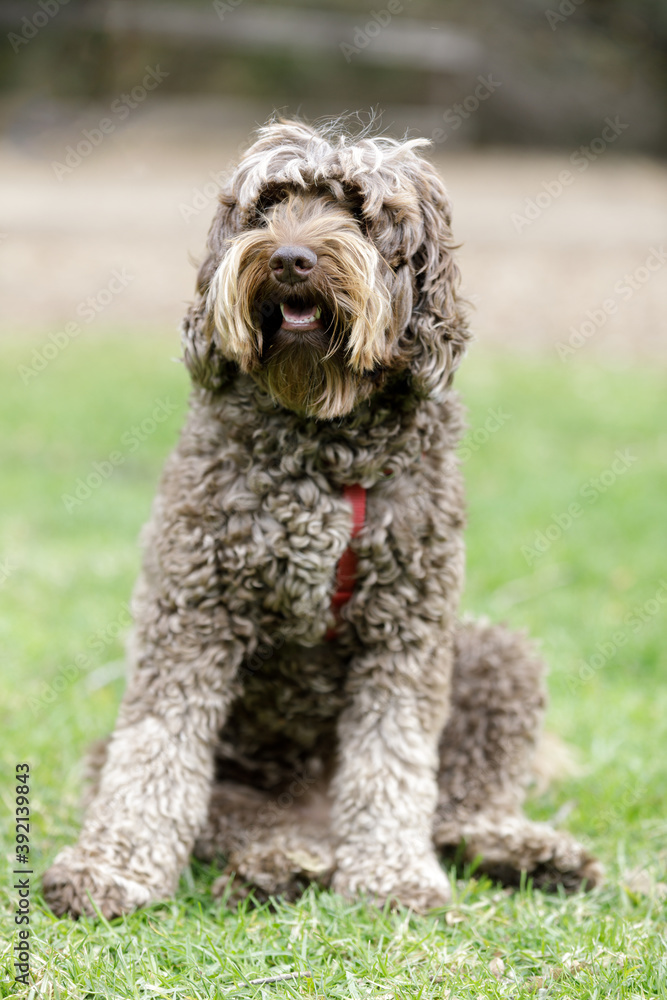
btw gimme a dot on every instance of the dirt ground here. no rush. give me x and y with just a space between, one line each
112 239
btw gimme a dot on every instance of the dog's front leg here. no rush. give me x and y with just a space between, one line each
155 785
385 784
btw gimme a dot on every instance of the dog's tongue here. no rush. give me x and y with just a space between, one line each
295 315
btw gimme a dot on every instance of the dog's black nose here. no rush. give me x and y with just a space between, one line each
292 264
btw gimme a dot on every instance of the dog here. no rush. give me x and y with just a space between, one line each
302 698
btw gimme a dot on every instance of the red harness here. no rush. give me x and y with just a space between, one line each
346 571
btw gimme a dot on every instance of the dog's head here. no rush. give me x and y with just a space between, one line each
329 272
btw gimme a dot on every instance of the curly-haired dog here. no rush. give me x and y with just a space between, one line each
301 697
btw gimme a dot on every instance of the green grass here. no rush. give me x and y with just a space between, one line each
68 574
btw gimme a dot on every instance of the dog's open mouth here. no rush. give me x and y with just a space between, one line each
300 318
293 317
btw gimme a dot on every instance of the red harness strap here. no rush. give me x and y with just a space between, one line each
346 571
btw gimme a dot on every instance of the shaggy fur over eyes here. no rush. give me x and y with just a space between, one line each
320 375
379 214
352 748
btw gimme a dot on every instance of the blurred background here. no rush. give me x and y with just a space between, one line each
120 117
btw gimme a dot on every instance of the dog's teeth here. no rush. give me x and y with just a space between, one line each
296 318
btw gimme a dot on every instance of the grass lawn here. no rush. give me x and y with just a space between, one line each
567 478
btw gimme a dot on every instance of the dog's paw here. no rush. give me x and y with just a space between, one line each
275 869
420 884
513 847
75 881
570 866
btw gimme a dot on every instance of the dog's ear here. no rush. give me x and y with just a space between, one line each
436 337
201 354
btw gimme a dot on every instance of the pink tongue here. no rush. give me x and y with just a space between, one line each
297 315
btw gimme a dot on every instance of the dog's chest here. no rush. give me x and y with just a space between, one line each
280 548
